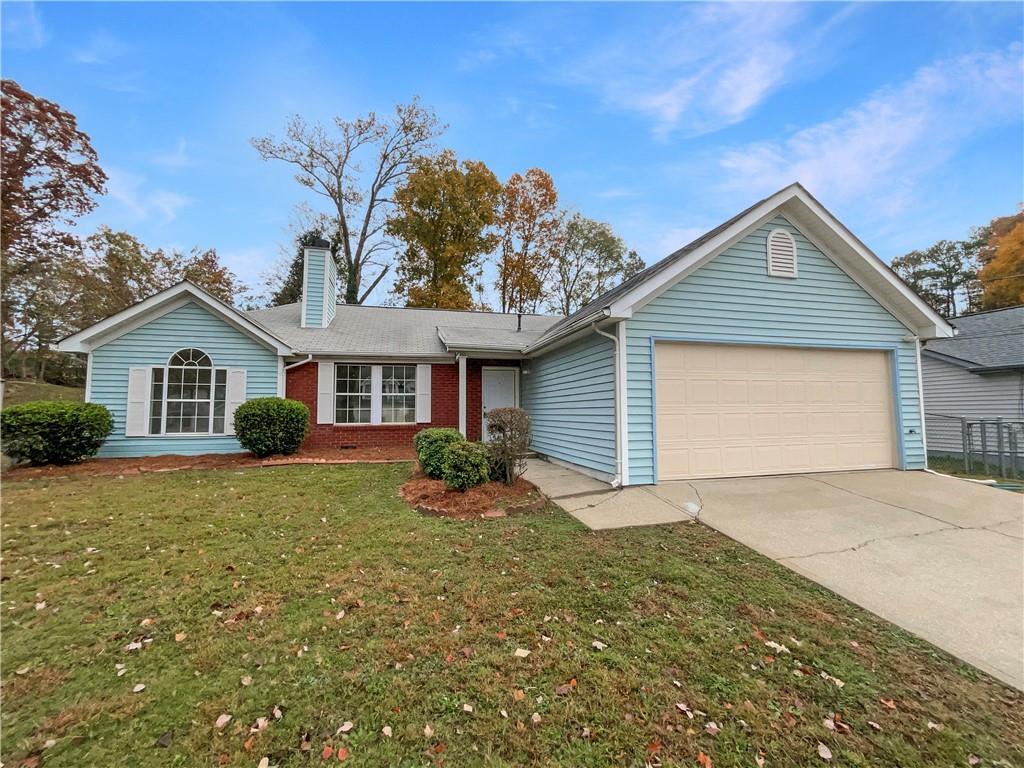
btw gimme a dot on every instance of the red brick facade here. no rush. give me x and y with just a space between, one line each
301 385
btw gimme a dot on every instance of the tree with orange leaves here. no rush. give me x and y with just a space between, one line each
529 226
1002 258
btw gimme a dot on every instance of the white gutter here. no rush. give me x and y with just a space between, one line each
309 359
617 480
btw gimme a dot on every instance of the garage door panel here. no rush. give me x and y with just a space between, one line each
730 410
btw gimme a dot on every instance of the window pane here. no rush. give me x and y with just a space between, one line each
222 375
398 409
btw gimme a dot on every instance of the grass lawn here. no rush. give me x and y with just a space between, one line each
25 391
316 591
952 466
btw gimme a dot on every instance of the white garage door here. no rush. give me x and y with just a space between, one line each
734 410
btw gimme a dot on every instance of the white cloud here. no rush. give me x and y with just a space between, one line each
884 145
130 191
102 48
23 26
706 67
176 158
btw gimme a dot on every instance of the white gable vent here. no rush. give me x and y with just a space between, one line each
781 254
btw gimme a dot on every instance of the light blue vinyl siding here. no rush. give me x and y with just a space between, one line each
732 299
315 289
152 344
570 396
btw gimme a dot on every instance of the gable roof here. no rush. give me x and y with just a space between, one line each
808 215
362 331
161 303
984 341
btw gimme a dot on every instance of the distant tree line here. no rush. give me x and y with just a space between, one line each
984 271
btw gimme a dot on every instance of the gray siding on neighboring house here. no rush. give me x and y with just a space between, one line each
570 396
953 391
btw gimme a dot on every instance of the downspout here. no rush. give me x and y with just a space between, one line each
617 480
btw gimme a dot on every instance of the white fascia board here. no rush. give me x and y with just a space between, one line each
159 304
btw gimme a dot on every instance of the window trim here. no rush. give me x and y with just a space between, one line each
166 368
376 395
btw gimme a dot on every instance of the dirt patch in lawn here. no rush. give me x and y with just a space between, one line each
491 499
173 462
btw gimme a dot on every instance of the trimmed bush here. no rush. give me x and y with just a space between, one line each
269 425
54 431
508 430
430 445
465 465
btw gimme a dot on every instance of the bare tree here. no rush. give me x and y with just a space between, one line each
329 163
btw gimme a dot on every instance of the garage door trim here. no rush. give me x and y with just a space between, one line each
891 348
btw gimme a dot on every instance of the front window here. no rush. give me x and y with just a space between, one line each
398 394
188 395
352 394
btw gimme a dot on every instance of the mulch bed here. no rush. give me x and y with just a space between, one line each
489 500
172 463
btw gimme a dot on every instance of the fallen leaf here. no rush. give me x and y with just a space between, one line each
598 645
973 760
654 747
247 680
759 759
306 744
40 605
180 636
684 709
889 703
386 730
500 635
704 760
264 763
147 622
222 721
504 713
327 752
165 739
428 731
518 694
467 708
874 725
712 728
345 727
777 647
260 725
139 688
521 653
934 726
278 714
535 718
835 680
824 752
342 754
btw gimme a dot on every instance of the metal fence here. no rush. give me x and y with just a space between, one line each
985 446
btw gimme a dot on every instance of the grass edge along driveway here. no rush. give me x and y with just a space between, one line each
325 617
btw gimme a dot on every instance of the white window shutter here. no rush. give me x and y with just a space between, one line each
376 393
422 394
136 420
234 396
325 393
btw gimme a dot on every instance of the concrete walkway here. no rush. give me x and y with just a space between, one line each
940 557
598 506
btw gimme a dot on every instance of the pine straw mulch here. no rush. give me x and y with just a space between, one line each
171 463
491 499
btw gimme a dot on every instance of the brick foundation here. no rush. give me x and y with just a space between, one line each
301 385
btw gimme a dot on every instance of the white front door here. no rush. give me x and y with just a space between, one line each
499 391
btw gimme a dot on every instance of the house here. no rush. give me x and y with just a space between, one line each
775 343
978 374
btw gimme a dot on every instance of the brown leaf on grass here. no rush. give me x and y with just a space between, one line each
759 759
264 763
501 635
824 752
654 747
888 703
260 725
428 731
712 728
345 727
222 721
327 752
180 636
247 680
704 760
535 718
566 688
684 709
518 694
521 653
874 725
307 742
343 754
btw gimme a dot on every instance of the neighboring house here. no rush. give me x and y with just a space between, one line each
775 343
978 374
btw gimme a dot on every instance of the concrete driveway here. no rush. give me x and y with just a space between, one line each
941 557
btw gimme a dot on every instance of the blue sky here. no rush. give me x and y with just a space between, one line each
906 120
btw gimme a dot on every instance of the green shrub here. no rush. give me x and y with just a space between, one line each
54 431
508 431
269 425
465 465
430 446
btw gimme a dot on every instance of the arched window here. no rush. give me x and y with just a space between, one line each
188 395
